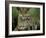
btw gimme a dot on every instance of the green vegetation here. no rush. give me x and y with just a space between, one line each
35 13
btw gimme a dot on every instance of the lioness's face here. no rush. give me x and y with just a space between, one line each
23 11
